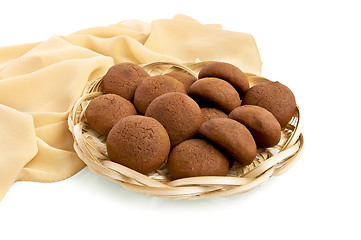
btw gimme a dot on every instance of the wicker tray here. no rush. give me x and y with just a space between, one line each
90 147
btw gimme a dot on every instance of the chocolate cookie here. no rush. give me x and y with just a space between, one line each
123 79
275 97
196 157
178 113
105 111
152 87
232 136
138 142
228 72
263 126
217 91
209 113
184 77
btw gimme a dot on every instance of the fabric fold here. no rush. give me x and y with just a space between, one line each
50 164
42 84
188 41
17 145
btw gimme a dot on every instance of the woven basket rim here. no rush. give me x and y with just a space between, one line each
90 148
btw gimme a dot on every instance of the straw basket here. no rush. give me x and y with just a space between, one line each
90 147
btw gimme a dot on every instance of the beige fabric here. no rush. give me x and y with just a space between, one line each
39 83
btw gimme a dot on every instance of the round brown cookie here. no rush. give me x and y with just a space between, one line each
275 97
217 91
209 113
263 126
228 72
232 136
138 142
196 157
105 111
184 77
152 87
123 79
178 113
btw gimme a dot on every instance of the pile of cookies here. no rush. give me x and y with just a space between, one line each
196 126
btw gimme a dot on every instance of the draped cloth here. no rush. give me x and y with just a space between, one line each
39 83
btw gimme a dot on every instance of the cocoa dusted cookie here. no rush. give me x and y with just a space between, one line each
123 79
217 91
184 77
227 72
105 111
263 126
209 113
196 157
232 136
152 87
138 142
275 97
178 113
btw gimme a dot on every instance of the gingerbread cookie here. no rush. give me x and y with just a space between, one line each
227 72
178 113
152 87
105 111
184 77
196 157
209 113
275 97
232 136
216 91
138 142
263 126
123 79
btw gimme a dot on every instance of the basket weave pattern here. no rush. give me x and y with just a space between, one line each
90 147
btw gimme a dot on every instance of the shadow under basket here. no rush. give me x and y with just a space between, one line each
91 148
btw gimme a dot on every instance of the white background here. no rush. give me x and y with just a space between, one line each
312 47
